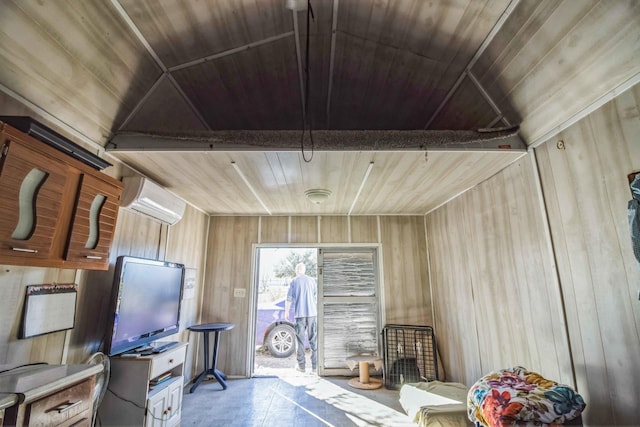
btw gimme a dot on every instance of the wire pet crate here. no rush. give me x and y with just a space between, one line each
409 355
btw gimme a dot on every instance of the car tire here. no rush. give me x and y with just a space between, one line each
281 341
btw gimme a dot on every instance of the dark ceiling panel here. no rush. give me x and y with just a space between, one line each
466 109
381 87
319 54
164 109
180 31
254 89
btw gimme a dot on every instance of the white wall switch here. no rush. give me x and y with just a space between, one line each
239 292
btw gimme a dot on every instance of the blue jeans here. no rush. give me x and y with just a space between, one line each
307 327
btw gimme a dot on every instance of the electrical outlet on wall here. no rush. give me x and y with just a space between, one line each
239 292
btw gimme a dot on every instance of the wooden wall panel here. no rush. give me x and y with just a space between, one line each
551 59
496 238
274 229
45 44
13 281
406 283
364 229
452 293
186 244
334 229
407 295
586 193
304 229
228 267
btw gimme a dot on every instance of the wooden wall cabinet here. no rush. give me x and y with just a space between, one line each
134 379
55 211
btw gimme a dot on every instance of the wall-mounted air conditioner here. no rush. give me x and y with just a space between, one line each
145 196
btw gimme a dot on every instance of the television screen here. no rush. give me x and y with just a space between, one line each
146 299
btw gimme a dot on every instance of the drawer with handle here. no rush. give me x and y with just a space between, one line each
70 406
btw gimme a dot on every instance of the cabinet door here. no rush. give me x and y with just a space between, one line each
157 410
31 194
174 403
94 222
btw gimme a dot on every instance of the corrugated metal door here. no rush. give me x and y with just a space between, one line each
348 307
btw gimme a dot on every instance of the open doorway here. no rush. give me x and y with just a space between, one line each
275 340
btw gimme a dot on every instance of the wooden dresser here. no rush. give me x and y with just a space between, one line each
48 395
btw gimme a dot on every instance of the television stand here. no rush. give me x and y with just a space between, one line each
147 389
153 348
161 347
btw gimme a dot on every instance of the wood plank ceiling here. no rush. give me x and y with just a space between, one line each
102 71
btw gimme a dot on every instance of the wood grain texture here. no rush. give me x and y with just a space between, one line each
586 193
407 291
496 255
182 31
186 244
467 109
304 229
43 348
164 109
553 59
407 295
274 229
399 183
228 266
260 100
364 229
334 229
77 59
452 292
415 48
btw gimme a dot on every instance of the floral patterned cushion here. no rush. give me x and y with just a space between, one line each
516 396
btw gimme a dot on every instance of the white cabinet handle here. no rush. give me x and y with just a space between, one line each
33 251
93 257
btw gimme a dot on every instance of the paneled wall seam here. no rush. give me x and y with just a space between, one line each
204 271
428 261
162 236
552 254
473 293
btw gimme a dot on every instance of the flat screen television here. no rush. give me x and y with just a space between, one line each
145 303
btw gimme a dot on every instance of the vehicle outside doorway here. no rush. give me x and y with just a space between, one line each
275 340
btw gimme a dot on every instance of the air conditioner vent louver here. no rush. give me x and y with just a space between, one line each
146 197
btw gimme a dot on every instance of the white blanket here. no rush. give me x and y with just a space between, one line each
436 404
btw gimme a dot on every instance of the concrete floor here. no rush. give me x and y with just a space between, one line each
291 399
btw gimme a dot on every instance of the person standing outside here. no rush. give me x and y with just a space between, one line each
302 295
